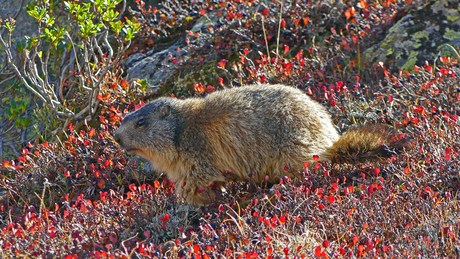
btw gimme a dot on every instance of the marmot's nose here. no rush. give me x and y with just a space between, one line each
117 138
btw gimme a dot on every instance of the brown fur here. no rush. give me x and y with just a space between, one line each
254 130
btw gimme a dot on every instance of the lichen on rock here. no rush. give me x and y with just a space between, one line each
424 34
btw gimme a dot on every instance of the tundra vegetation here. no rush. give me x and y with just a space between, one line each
72 193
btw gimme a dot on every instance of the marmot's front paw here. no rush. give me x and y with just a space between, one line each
198 199
200 196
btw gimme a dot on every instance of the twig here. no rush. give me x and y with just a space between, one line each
279 31
265 36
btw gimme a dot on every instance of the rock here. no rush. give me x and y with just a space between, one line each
158 64
423 34
25 24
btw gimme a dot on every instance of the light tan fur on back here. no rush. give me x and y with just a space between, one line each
254 130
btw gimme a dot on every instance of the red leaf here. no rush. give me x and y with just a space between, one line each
6 163
286 49
406 170
335 187
319 252
262 78
355 239
355 40
370 189
348 14
92 132
265 12
299 55
165 218
198 88
210 89
202 12
296 21
222 63
124 84
282 219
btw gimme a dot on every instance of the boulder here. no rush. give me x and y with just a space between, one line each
425 34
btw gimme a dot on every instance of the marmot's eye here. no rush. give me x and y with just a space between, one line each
140 122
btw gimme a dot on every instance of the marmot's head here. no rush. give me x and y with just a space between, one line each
152 129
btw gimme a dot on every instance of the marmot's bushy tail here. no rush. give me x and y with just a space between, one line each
366 142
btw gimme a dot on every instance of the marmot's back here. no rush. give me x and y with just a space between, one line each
249 131
261 129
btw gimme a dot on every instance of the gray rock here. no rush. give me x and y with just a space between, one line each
157 65
25 25
424 34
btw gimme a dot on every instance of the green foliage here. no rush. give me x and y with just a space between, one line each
73 60
9 25
15 110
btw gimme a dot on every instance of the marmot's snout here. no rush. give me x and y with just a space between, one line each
117 138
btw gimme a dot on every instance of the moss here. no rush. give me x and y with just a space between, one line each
453 18
451 35
420 35
385 44
390 51
411 61
417 45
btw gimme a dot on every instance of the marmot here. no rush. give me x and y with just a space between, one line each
251 130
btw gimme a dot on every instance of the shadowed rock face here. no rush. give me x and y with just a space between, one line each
25 25
423 34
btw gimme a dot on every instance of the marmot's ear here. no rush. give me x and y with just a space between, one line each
165 111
